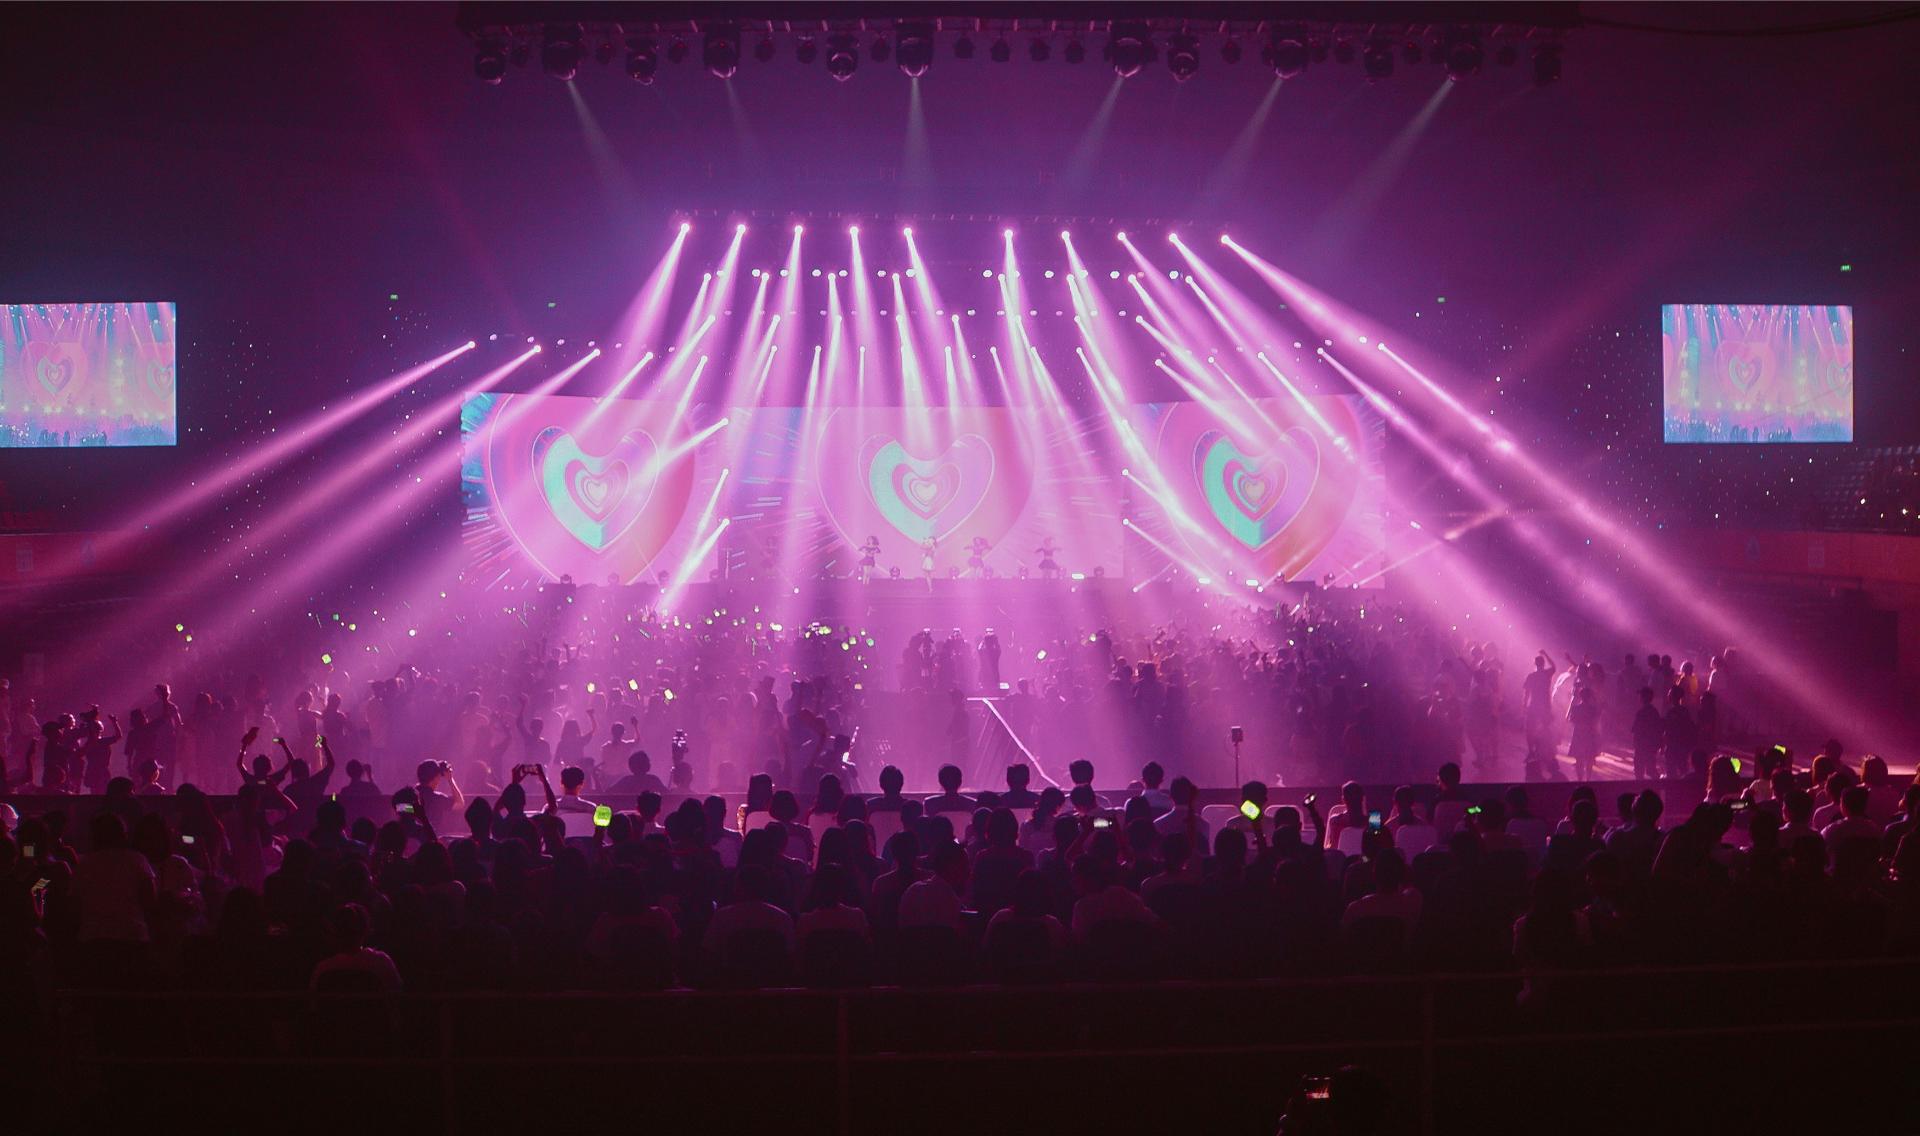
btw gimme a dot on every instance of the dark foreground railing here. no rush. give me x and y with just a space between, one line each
1657 1049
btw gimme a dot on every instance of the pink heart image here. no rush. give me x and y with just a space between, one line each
60 367
906 474
55 375
160 377
1743 373
599 493
1251 492
580 484
1271 512
927 496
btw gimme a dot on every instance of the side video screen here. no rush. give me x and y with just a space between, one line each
1758 372
87 375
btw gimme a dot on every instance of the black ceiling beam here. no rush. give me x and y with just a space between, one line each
475 17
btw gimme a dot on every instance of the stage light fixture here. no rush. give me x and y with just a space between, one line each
1506 55
1546 64
1039 51
882 47
843 56
1343 51
963 47
721 52
603 52
1129 48
916 48
763 51
1464 54
560 50
677 51
807 52
490 61
1230 51
1076 52
1377 59
521 52
1183 57
1288 53
1001 51
1411 52
643 59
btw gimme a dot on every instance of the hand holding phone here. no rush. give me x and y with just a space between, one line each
602 816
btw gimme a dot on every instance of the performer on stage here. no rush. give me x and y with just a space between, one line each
1048 553
927 547
977 556
869 558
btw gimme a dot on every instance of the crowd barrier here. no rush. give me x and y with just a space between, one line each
1774 1047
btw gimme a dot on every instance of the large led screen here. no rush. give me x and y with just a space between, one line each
87 375
1758 372
603 490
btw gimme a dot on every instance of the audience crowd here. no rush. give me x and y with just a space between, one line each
302 879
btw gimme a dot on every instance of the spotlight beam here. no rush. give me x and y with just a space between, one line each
259 459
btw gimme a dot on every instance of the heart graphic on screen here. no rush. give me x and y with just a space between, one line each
586 488
926 496
56 374
595 496
1743 373
1254 499
903 475
59 367
929 497
160 377
1272 507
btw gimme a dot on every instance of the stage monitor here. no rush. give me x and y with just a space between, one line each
1758 372
87 375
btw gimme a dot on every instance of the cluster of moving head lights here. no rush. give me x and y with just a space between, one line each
1130 46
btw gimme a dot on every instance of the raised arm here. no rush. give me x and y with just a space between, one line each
546 787
286 766
240 759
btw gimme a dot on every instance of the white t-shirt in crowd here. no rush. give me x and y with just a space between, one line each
931 903
1850 828
1107 905
748 915
839 917
1403 905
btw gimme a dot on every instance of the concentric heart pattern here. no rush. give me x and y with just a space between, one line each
1748 372
92 373
569 486
581 487
1275 492
946 474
